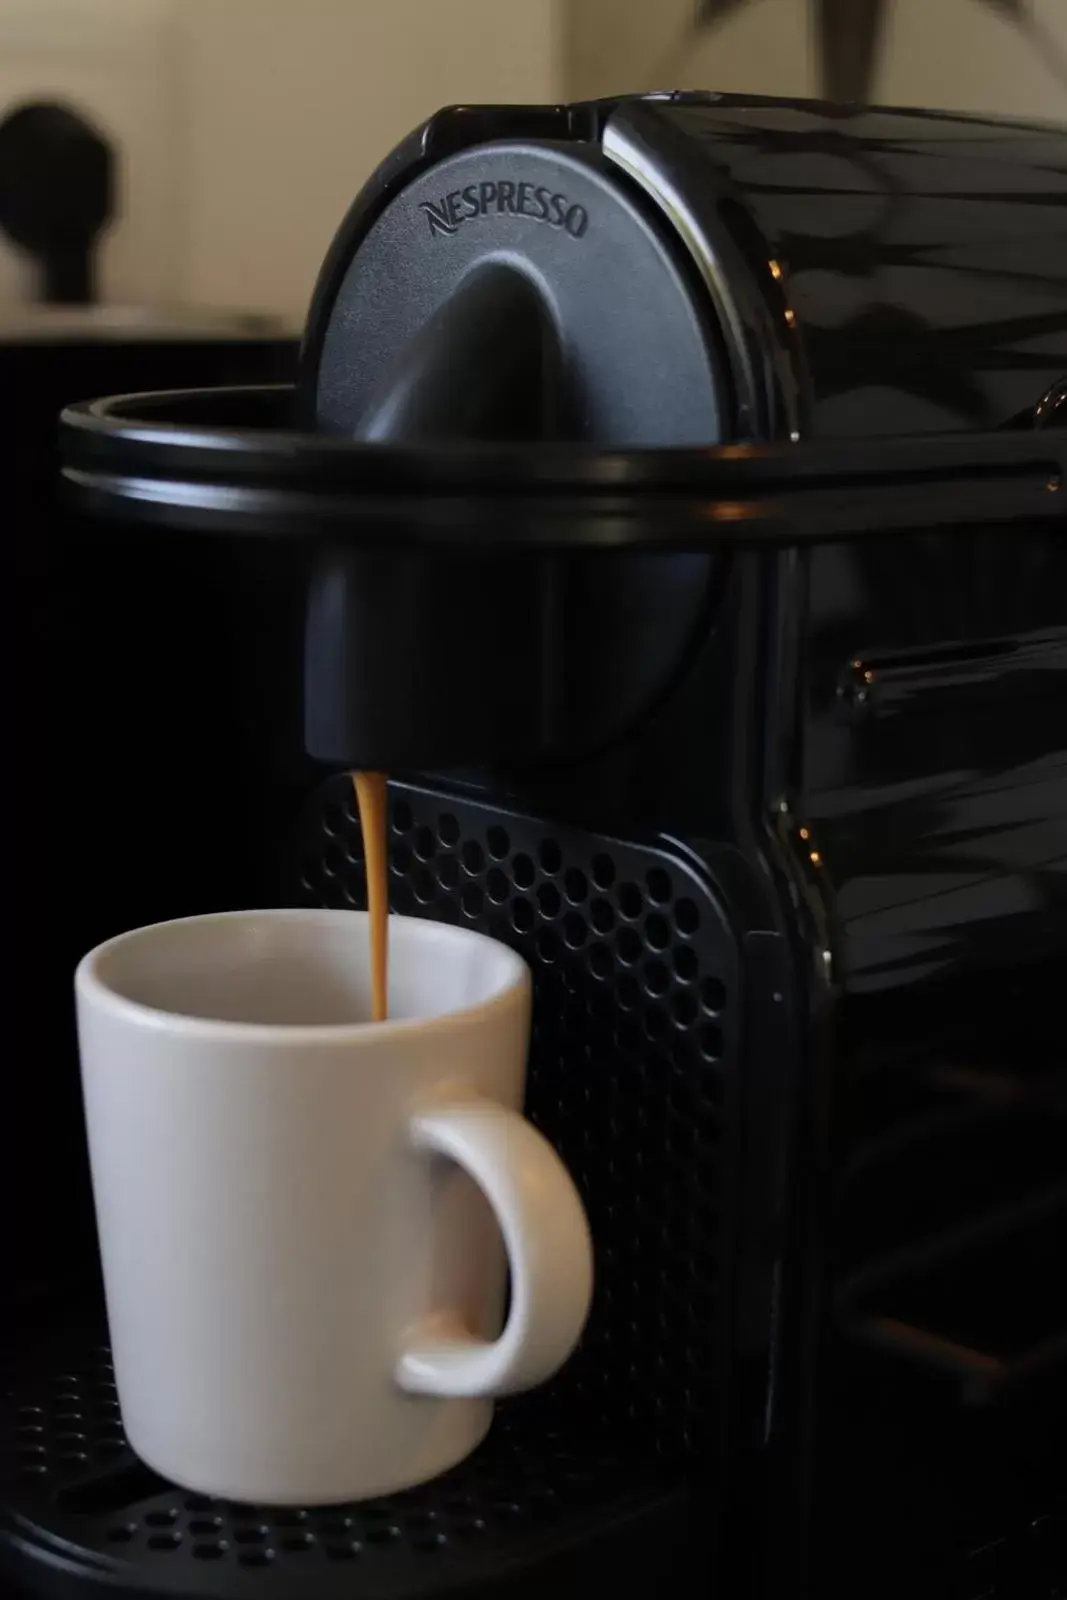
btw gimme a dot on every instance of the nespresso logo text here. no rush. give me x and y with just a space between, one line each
504 198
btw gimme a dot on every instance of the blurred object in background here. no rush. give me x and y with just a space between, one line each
56 196
850 37
1008 57
75 76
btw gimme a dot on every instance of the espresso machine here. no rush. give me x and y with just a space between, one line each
673 501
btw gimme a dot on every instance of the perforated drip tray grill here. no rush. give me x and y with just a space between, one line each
77 1502
632 1072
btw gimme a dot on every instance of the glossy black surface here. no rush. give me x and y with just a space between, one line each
932 790
924 256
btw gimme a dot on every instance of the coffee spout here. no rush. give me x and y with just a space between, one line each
486 366
405 654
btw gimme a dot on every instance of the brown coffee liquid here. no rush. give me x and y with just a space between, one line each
371 799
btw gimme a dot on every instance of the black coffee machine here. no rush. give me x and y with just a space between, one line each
674 502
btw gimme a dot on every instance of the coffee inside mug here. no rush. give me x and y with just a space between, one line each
301 969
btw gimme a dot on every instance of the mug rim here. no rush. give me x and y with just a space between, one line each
90 986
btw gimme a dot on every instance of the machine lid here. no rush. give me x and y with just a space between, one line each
628 351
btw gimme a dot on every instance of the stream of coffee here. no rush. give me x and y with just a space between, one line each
371 798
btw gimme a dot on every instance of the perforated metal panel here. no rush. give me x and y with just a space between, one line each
73 1491
632 1070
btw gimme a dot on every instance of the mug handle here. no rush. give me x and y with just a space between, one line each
550 1254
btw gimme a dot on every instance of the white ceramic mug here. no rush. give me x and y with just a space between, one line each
300 1211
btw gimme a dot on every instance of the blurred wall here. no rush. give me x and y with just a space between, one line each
963 55
289 104
113 61
246 127
957 54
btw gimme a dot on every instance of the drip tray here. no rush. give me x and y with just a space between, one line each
537 1504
